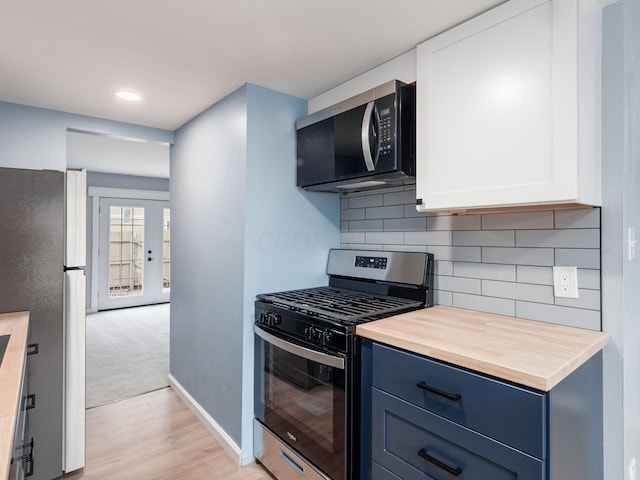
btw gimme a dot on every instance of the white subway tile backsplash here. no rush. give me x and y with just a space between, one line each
456 254
405 224
497 263
567 238
427 238
588 278
352 214
364 246
581 258
365 201
366 226
489 271
518 291
453 222
493 238
400 198
572 317
410 211
518 221
538 275
443 298
406 248
384 237
518 256
581 218
499 306
443 267
589 299
457 284
394 211
352 237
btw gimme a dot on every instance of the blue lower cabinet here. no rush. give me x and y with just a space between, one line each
434 421
416 444
502 411
381 473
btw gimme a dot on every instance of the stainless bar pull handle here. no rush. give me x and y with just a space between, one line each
306 353
290 461
364 134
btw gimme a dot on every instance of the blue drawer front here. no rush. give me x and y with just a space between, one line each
402 430
378 472
512 415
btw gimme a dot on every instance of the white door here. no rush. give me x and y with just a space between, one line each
134 253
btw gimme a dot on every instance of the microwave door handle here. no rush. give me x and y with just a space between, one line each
366 125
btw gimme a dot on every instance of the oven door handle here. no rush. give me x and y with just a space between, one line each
307 353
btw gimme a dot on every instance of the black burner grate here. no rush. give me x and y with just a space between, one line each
335 303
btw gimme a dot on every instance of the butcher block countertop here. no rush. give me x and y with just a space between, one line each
535 354
16 325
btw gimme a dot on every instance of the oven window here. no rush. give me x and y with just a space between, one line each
303 401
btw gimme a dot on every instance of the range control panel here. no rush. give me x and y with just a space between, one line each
371 262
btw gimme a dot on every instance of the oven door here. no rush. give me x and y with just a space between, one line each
300 396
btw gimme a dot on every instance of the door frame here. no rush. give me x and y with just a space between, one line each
97 193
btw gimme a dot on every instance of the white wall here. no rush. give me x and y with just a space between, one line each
34 138
99 153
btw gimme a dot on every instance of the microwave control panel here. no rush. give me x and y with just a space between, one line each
386 126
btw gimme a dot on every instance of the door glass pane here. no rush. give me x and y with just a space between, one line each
126 251
166 250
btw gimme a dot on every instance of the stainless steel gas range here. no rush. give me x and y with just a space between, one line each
307 360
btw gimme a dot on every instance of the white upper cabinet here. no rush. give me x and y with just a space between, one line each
508 109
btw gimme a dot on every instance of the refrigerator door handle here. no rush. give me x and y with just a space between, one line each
76 218
74 396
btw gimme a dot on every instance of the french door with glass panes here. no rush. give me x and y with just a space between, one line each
133 253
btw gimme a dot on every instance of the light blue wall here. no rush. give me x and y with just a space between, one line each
288 231
620 212
612 240
631 219
208 162
239 227
34 138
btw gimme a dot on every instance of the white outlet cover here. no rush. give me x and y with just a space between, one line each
565 282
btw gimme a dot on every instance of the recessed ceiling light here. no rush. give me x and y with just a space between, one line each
130 96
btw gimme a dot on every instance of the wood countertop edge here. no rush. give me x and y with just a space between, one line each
16 325
456 355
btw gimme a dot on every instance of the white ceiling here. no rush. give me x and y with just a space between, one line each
183 56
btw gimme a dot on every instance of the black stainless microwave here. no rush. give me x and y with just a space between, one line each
365 142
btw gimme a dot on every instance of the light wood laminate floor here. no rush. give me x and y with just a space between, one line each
155 437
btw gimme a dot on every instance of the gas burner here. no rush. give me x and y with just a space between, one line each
344 305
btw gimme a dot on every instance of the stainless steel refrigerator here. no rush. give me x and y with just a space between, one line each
34 277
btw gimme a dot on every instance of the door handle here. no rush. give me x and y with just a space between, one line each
364 136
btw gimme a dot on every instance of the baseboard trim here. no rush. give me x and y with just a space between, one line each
230 447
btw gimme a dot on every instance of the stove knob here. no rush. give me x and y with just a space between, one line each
326 337
263 318
308 333
273 319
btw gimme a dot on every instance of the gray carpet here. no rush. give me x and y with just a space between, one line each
127 353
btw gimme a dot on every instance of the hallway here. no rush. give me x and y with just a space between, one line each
155 437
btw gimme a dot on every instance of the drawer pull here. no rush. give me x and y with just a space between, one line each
455 471
454 397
